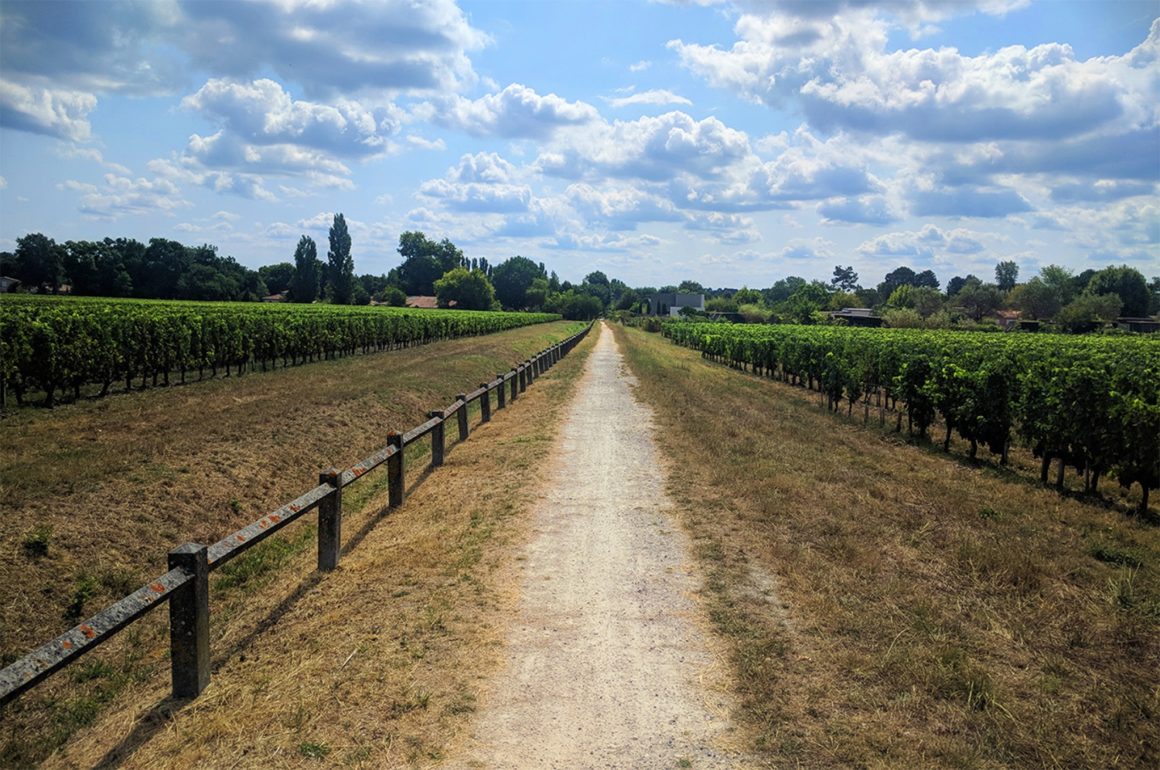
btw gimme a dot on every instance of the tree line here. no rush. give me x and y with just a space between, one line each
166 269
906 298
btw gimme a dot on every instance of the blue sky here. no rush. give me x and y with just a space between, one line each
732 143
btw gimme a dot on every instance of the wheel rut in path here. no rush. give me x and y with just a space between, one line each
608 662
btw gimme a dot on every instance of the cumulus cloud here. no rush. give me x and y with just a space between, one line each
53 112
263 113
651 148
336 47
515 112
619 206
1102 190
246 185
91 47
120 196
863 209
837 69
482 183
59 57
655 97
924 246
725 228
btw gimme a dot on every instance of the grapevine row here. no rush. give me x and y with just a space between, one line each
60 345
1093 403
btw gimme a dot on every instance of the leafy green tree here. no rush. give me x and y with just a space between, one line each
956 284
900 276
277 277
512 279
203 282
537 294
924 300
1006 274
80 260
468 289
307 271
926 279
393 296
1061 280
340 264
1087 309
782 289
1127 283
980 299
690 287
1036 299
39 262
803 303
747 296
845 279
629 300
574 305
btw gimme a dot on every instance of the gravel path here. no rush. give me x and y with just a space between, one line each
608 662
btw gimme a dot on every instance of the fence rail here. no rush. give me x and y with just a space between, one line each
186 585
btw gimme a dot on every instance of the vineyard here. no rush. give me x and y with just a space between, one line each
1092 403
62 345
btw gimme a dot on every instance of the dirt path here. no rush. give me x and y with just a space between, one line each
608 662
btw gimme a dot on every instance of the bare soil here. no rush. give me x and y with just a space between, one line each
608 662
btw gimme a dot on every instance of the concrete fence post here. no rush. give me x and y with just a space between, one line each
330 521
437 440
461 413
515 381
485 403
396 492
500 393
189 622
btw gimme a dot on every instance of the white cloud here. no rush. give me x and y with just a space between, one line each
121 196
655 97
838 70
927 246
338 46
422 143
640 66
53 112
482 183
515 112
263 113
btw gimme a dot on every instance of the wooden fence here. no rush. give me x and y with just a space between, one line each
186 584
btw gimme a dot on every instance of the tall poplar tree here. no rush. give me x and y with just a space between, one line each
340 274
304 285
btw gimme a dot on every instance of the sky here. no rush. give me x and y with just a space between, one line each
730 143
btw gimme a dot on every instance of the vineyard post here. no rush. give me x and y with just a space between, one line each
500 393
462 415
189 622
485 403
330 521
437 438
395 479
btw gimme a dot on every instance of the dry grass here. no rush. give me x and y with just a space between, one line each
116 483
887 606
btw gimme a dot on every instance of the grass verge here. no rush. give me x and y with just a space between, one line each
887 606
193 464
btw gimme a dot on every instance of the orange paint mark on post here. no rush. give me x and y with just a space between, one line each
275 518
88 631
157 588
66 644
